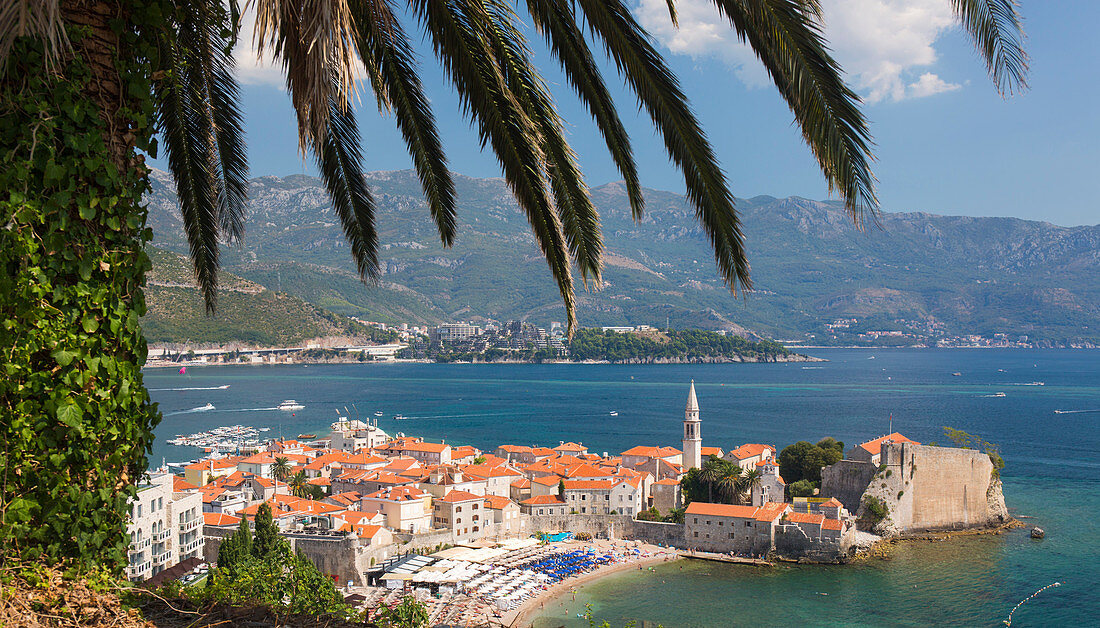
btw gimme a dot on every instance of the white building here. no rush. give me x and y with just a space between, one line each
354 436
693 439
165 527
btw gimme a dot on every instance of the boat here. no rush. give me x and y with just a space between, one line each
1035 384
208 406
613 413
957 374
290 405
399 417
378 413
223 387
307 436
1000 394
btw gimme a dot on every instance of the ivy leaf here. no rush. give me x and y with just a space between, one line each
90 324
70 414
63 357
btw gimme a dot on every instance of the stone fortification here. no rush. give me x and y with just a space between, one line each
847 480
922 488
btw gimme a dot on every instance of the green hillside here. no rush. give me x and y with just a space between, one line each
247 312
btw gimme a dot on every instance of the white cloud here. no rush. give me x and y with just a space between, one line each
882 44
929 85
251 68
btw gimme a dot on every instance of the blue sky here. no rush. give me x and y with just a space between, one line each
947 143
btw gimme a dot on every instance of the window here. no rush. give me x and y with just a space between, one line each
721 523
696 520
475 506
458 508
696 535
584 497
708 522
731 535
583 509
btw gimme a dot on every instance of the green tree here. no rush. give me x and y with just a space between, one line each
408 613
968 441
281 469
236 548
479 460
267 534
801 461
299 484
801 488
561 488
85 86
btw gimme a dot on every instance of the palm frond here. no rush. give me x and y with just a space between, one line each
558 24
393 72
211 68
787 38
469 61
659 93
579 220
339 158
998 32
39 19
314 41
186 143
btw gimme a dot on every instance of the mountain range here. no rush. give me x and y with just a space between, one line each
818 278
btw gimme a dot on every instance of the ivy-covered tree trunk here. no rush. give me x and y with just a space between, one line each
75 419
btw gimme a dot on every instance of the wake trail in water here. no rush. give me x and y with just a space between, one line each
224 387
191 411
248 409
1075 411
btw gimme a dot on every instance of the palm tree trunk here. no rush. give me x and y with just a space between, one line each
77 420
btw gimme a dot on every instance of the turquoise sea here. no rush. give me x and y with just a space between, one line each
1052 475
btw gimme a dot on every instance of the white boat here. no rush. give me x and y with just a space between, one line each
400 417
290 405
957 374
208 406
378 413
223 387
613 413
1035 384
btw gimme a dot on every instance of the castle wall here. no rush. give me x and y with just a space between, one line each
846 481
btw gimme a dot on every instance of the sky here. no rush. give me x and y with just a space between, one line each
946 141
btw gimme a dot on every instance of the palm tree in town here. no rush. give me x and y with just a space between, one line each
729 483
280 470
299 484
750 481
86 84
710 474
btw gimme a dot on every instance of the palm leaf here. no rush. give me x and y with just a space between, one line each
39 19
998 33
393 73
556 20
476 74
786 36
659 93
339 159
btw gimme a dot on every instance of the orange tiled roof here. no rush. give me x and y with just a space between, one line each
589 484
833 524
570 446
497 502
544 500
515 449
179 485
710 451
219 464
667 482
806 517
460 496
521 483
219 519
750 450
721 510
832 503
320 481
547 480
397 494
770 511
874 447
652 452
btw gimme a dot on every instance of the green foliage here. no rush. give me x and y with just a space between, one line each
267 534
719 481
675 515
595 344
75 419
801 488
652 514
479 460
408 613
803 461
561 488
969 441
877 510
236 549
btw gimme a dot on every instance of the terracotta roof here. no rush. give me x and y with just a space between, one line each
397 493
833 524
179 485
219 519
770 511
497 502
543 451
589 484
460 496
544 500
320 481
652 452
832 503
721 510
547 480
750 450
875 446
346 498
355 517
464 451
521 483
806 517
515 449
586 471
367 531
667 482
710 451
425 447
260 458
570 447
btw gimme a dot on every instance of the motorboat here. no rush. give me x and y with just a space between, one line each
289 406
613 413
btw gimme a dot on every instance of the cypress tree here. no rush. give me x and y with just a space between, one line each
267 535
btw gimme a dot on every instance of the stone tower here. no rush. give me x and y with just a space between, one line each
693 440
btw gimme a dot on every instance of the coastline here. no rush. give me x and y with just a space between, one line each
523 615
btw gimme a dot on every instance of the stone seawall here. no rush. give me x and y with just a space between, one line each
343 557
847 480
935 488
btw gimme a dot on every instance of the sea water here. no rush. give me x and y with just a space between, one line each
1051 478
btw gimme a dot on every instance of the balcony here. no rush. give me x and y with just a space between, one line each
163 557
188 526
137 570
138 546
162 535
192 546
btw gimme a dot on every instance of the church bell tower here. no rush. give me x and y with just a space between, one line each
693 440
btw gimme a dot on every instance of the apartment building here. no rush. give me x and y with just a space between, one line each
165 527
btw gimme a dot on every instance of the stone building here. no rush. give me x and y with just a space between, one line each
693 439
725 528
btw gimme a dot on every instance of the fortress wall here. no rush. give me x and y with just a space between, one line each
655 532
599 526
846 481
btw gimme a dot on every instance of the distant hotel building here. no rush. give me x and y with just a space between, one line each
165 527
453 332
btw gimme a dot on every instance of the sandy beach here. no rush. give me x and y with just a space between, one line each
651 554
